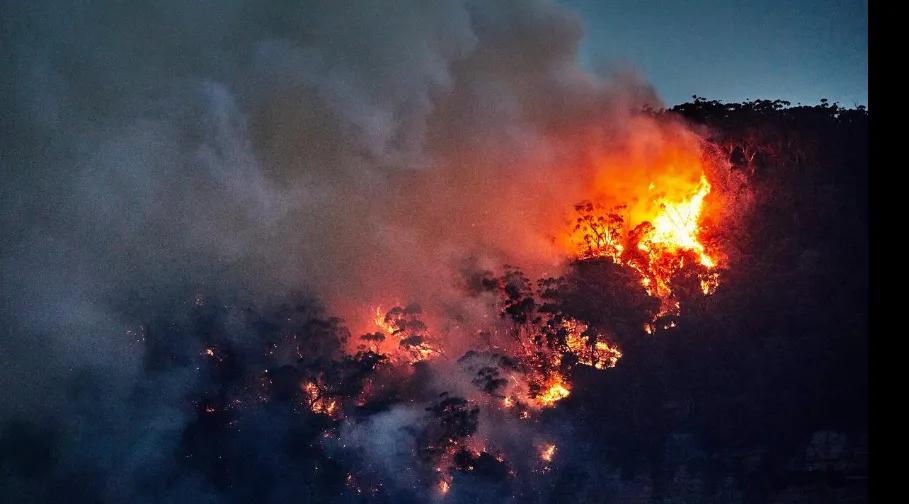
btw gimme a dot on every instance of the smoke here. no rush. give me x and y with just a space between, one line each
385 442
362 154
356 152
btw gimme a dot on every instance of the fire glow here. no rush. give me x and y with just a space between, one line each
529 368
547 452
401 335
555 390
655 238
600 355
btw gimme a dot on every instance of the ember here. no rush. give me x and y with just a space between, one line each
547 452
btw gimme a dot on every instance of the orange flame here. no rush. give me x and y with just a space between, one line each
317 403
381 322
601 354
400 336
676 226
556 390
665 228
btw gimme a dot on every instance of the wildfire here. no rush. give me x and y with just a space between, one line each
658 245
601 354
709 282
556 390
658 234
401 335
317 403
382 322
676 226
547 452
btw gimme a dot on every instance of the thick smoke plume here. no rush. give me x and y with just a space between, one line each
359 153
354 150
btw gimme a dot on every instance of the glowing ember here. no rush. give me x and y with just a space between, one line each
601 354
317 403
709 282
547 452
443 487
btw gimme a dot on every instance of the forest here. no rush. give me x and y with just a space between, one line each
753 393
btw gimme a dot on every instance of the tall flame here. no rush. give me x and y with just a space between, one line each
556 390
676 226
654 245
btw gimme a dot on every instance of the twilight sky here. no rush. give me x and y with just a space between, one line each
732 50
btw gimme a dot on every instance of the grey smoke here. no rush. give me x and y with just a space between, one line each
151 152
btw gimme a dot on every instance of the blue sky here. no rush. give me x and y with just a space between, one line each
732 50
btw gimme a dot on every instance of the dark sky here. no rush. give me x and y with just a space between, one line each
735 49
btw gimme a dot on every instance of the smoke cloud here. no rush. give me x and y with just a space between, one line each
362 153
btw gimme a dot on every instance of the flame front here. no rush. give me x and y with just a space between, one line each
654 239
554 390
676 226
600 355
